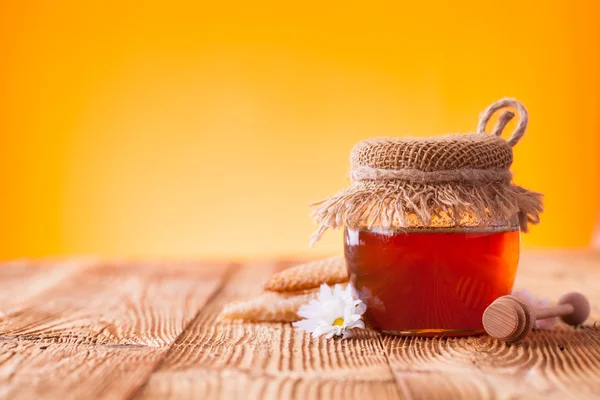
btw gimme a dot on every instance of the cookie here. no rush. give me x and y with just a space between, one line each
268 307
309 276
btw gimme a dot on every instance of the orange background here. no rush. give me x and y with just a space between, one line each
202 129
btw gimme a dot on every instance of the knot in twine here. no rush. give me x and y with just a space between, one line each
472 175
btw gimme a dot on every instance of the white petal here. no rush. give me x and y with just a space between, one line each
356 324
354 291
317 332
329 312
348 291
306 311
348 313
360 308
325 293
314 303
310 310
306 325
339 292
353 318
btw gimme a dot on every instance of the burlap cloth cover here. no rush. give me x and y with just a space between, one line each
449 181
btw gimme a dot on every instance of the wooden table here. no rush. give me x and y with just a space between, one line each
85 329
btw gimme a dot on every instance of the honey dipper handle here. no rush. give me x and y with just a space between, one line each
508 319
551 312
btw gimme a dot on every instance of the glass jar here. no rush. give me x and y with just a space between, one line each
432 281
432 226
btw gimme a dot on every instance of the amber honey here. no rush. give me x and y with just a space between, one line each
431 282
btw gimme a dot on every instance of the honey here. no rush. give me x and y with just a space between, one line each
429 282
444 218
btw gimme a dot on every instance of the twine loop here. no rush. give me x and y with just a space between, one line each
505 117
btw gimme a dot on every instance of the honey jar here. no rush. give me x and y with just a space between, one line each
432 226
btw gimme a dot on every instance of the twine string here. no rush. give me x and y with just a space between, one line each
471 175
504 119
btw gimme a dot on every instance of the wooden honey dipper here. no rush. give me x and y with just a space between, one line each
509 319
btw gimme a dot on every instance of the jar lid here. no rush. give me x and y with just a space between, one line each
478 151
464 177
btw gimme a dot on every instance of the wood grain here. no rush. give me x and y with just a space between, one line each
137 303
32 370
21 280
100 332
147 330
271 361
561 363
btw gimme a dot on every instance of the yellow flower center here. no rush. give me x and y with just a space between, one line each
338 322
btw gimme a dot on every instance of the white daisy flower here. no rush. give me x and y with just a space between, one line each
335 313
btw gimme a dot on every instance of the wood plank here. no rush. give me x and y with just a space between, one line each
552 273
54 370
100 332
24 279
139 303
271 361
560 363
481 367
